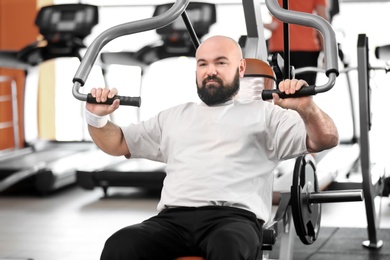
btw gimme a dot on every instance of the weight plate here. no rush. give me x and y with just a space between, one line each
306 215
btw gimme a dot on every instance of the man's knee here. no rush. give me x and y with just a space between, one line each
124 244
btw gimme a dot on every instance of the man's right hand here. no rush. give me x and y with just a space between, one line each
101 95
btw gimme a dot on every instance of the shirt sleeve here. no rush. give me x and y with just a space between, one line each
144 139
289 133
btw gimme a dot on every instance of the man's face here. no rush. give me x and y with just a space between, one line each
212 90
219 66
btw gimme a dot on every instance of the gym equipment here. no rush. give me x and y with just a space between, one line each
302 194
330 48
383 53
47 165
303 203
176 41
128 28
63 28
371 188
306 199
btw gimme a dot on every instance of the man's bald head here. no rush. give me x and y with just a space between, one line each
219 65
219 44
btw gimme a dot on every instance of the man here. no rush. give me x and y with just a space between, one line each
219 157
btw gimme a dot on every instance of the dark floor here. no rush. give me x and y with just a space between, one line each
339 243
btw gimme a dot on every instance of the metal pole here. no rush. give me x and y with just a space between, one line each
365 126
286 42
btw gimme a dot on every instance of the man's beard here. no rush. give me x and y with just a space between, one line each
216 92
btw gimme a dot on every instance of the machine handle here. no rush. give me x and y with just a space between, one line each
305 91
124 100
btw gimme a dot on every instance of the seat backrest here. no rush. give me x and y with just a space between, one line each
257 77
259 68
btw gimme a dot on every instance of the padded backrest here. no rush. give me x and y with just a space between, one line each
259 68
67 20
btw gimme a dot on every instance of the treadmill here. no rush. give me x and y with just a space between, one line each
46 165
176 42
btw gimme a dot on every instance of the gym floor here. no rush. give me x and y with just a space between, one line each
74 223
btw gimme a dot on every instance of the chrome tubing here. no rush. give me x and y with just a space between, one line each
120 30
329 36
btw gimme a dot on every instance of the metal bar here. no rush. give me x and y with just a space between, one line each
365 126
336 196
286 43
330 47
287 239
313 21
190 29
120 30
255 46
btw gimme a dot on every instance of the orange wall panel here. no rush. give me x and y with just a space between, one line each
17 30
17 23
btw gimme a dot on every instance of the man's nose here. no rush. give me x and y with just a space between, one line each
211 71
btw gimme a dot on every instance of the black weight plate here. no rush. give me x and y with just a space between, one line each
306 215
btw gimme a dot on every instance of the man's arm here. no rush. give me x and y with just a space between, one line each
110 139
323 11
105 134
321 131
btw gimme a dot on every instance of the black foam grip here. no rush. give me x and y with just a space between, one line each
303 92
125 101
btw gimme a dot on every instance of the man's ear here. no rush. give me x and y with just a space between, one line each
242 67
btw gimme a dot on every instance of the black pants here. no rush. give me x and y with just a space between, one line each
300 59
214 232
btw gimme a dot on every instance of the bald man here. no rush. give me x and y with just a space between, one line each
219 155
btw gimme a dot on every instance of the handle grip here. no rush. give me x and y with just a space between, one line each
303 92
124 100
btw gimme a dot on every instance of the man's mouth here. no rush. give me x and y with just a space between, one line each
211 81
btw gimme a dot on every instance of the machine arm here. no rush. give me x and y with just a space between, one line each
120 30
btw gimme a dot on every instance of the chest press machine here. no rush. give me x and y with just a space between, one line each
304 200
